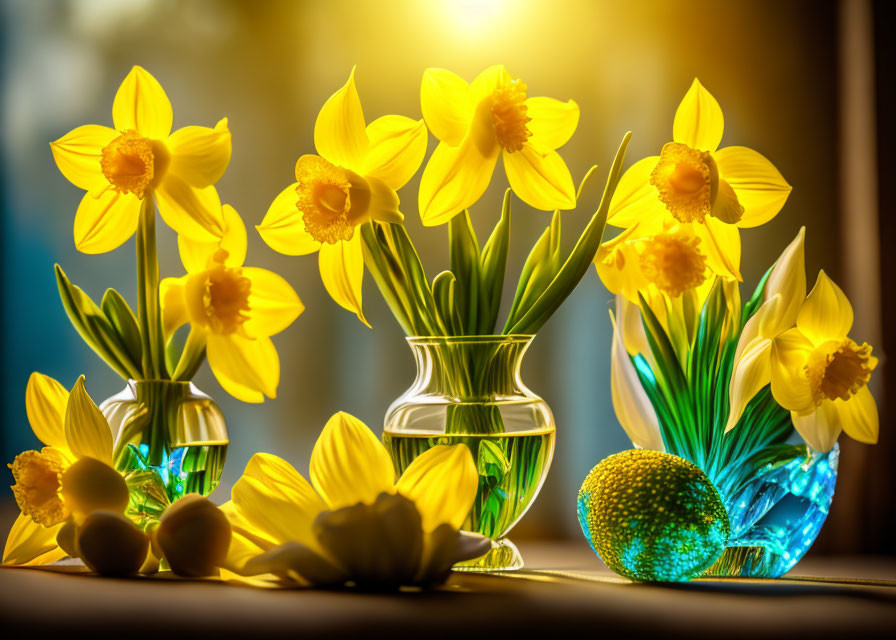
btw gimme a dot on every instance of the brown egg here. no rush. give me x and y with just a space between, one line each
90 485
110 544
194 535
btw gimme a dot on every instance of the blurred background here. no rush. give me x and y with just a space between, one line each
800 82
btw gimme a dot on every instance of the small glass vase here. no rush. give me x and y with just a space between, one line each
468 390
170 440
777 513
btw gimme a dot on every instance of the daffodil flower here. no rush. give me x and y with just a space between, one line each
717 191
69 478
478 122
232 310
821 374
138 158
353 522
354 180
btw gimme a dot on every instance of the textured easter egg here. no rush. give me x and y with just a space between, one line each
652 517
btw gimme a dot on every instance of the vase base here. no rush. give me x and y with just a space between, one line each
503 556
745 562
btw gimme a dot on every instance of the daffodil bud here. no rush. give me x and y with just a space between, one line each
194 535
90 485
110 544
788 279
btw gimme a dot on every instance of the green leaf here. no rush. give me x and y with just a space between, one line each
538 271
492 265
119 313
192 356
444 290
464 251
756 299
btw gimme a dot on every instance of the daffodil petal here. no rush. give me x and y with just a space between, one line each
30 543
487 81
454 178
78 153
384 202
540 178
826 314
195 213
86 431
790 384
283 229
442 482
200 155
273 303
751 372
106 222
174 305
339 132
553 121
445 102
788 279
247 369
45 401
635 199
698 120
349 464
859 417
342 272
759 186
819 428
397 147
195 254
141 104
720 242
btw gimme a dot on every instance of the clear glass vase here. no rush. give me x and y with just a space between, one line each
468 390
170 440
777 513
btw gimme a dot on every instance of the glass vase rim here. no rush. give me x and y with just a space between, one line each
496 338
136 381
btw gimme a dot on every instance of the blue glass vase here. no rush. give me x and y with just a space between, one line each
777 514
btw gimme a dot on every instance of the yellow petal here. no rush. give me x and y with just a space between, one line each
790 384
618 265
30 543
751 372
759 186
721 244
859 417
77 154
200 155
540 178
628 317
487 81
630 402
86 430
247 369
195 254
45 401
397 147
698 120
382 201
283 228
195 213
442 482
553 121
273 303
826 314
445 102
339 132
174 306
788 279
349 464
819 428
273 497
454 178
141 104
247 541
106 222
342 271
635 199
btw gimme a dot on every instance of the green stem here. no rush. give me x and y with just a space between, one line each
149 310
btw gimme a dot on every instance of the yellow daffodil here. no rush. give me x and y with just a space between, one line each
716 191
353 522
478 122
354 180
139 158
69 478
821 374
784 293
232 310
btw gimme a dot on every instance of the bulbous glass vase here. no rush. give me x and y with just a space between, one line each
170 440
468 390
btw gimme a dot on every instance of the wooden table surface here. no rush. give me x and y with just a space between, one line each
564 589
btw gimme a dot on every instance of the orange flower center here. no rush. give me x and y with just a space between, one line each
37 486
509 116
673 263
687 181
131 162
324 192
226 296
839 371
